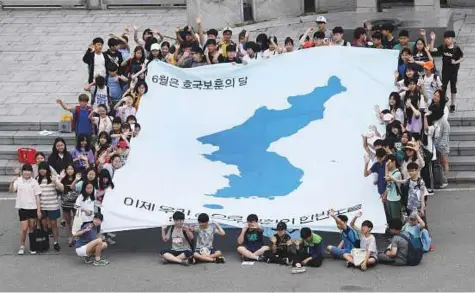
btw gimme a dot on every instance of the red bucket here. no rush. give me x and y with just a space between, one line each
27 156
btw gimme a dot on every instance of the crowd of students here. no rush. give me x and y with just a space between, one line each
408 152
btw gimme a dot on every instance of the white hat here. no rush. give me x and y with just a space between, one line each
155 46
227 29
321 18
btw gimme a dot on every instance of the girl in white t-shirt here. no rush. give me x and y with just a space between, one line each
85 202
429 82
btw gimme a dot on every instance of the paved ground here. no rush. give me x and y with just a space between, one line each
135 266
41 52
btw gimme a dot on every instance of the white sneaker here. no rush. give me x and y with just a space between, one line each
21 251
110 241
297 270
32 252
444 185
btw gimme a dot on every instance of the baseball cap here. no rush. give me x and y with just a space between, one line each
155 46
429 65
122 144
281 226
321 18
227 29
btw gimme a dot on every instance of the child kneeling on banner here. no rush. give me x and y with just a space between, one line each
282 243
90 243
309 251
367 255
204 240
251 240
181 236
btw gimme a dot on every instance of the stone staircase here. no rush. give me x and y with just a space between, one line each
15 134
25 134
462 147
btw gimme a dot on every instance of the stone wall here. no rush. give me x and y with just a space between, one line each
461 3
335 5
215 13
271 9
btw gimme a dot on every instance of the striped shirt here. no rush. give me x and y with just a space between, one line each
49 198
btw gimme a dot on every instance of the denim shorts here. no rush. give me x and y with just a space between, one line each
338 252
50 215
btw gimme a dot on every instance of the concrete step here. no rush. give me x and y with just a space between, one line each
8 166
29 137
10 152
461 177
16 123
462 133
462 163
465 118
462 148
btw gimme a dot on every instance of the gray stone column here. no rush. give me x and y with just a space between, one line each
366 6
95 4
215 13
426 5
270 9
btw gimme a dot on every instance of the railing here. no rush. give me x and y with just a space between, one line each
91 4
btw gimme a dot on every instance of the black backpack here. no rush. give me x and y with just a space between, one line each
186 237
415 250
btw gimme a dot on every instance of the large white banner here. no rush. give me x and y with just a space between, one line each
280 138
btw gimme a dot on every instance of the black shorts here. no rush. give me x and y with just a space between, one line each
69 209
187 253
27 214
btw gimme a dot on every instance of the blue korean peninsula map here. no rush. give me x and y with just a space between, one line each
263 173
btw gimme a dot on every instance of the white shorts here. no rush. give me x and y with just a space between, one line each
82 251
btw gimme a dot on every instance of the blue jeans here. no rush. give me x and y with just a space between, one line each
338 252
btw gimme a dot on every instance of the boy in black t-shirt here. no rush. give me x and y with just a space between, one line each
452 56
230 55
280 252
389 40
251 240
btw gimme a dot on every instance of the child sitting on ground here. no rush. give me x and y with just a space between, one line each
367 243
349 238
417 228
309 251
280 252
251 240
204 240
181 237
